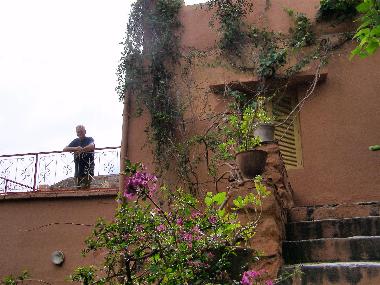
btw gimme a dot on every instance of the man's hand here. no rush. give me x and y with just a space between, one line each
78 149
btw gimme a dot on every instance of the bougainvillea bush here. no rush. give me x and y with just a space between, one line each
165 236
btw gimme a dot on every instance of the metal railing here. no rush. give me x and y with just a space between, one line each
54 170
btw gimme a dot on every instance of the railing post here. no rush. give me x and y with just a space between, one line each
35 174
6 186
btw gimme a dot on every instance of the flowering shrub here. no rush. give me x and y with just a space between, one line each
138 183
253 277
176 241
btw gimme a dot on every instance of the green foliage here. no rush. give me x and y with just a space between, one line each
191 243
14 280
131 168
253 199
230 15
368 33
374 147
262 115
270 60
301 33
337 10
244 115
130 70
151 46
270 55
86 275
239 131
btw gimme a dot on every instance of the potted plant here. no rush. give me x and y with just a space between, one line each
264 128
241 140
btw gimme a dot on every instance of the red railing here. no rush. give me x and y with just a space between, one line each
33 171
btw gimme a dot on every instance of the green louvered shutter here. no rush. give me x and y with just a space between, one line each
288 134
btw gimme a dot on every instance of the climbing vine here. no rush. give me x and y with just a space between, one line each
152 58
230 15
271 57
151 46
338 10
302 33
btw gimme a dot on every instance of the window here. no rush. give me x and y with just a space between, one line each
288 133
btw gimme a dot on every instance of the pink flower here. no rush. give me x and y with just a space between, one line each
187 237
179 222
161 228
245 280
250 276
140 183
197 233
195 215
213 219
269 282
129 196
139 228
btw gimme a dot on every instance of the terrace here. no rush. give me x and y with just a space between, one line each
54 171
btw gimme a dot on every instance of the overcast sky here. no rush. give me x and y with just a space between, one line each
58 60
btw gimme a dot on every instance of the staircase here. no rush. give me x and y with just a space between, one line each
334 244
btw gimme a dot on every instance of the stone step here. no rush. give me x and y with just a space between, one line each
333 228
342 273
360 248
335 211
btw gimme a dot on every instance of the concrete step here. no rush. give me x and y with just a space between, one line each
342 273
360 248
334 211
333 228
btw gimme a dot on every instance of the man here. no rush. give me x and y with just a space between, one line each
83 149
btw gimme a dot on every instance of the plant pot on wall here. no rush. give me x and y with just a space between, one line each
251 162
239 259
265 131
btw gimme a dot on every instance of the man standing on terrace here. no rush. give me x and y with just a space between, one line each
83 149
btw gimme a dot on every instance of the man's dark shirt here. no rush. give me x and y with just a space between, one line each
84 162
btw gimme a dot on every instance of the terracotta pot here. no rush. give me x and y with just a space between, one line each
265 132
240 258
251 162
240 261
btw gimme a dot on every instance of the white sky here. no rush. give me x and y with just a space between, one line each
58 60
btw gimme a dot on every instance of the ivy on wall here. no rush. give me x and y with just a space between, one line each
151 46
337 10
152 55
230 15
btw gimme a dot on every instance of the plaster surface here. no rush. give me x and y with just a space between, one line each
338 122
31 229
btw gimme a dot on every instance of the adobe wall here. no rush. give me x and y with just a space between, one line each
338 122
337 126
28 235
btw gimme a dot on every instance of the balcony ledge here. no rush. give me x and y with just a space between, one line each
56 194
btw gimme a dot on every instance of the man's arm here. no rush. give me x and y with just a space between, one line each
88 148
72 148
